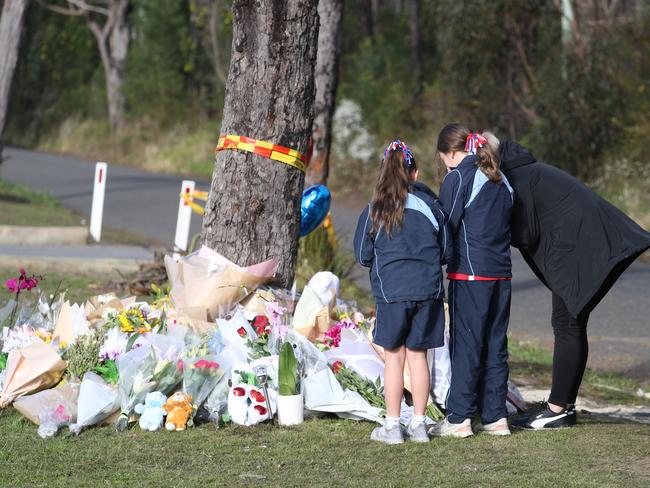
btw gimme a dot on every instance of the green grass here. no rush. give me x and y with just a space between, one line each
78 287
322 452
533 364
23 206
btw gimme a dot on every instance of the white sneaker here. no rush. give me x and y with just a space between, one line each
500 427
388 436
447 429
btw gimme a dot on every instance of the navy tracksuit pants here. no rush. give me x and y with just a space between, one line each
479 313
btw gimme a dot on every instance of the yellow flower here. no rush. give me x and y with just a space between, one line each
125 323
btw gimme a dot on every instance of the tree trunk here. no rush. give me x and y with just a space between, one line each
253 212
326 80
115 61
414 28
11 24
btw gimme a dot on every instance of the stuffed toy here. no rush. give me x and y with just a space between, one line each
179 410
151 412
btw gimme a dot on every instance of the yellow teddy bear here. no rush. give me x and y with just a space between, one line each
179 410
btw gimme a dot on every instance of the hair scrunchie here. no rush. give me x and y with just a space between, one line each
409 160
473 142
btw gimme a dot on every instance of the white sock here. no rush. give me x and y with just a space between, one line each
391 422
417 419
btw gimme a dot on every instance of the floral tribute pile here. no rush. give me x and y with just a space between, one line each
215 346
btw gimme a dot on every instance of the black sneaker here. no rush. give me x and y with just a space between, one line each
542 417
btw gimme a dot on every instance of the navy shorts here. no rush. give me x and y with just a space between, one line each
416 325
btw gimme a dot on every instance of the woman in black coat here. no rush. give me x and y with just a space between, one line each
577 244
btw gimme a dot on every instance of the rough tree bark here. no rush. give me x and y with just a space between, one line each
11 24
253 212
113 38
326 78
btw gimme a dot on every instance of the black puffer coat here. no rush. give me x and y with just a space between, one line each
576 242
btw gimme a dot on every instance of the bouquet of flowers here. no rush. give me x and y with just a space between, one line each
50 409
201 374
371 391
30 369
97 401
259 346
153 365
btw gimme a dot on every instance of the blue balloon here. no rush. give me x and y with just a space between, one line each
314 208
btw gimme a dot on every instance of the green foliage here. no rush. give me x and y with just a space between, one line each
289 383
3 361
318 251
108 371
83 355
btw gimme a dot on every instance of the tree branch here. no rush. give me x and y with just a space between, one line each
71 12
81 4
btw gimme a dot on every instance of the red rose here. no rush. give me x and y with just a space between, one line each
242 332
336 367
238 391
261 324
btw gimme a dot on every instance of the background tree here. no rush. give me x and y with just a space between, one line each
326 76
108 21
253 212
11 25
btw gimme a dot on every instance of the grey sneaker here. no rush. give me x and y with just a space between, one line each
388 436
417 433
447 429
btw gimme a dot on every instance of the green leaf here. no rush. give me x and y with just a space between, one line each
288 371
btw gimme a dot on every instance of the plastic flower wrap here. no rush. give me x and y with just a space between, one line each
31 369
201 374
97 401
151 365
50 409
248 402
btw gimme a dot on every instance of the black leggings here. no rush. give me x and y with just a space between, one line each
569 354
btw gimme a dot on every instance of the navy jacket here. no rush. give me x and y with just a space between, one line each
479 213
406 267
576 242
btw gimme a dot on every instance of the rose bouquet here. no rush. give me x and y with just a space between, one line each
258 347
202 372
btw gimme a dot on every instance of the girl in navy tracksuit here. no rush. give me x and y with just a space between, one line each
400 237
478 200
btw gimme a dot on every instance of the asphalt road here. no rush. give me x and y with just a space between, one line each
619 328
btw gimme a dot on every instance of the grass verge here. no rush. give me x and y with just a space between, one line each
322 452
22 206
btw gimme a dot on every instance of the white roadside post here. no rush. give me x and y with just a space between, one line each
184 219
97 210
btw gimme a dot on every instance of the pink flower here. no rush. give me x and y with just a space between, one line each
204 363
22 282
333 336
346 323
12 285
275 311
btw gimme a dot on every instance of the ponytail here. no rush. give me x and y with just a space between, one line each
488 162
389 199
456 137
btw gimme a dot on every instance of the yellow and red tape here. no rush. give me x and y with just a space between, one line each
262 148
189 197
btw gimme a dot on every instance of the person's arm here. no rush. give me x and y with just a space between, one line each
443 232
524 222
452 199
364 246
